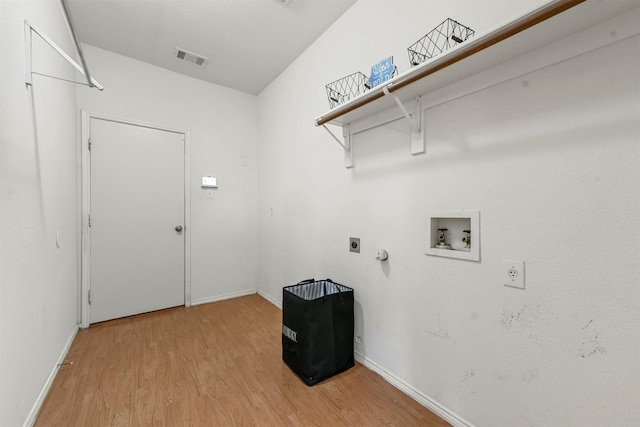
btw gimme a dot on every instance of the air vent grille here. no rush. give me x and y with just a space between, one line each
194 58
283 2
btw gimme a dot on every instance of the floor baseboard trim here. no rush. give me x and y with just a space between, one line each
410 391
269 298
33 414
224 297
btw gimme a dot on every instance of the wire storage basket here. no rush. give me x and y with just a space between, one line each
347 88
446 35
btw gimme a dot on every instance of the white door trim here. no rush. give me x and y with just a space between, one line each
86 197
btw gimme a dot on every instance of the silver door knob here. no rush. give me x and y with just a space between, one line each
178 228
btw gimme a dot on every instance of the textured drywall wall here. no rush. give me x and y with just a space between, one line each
223 126
549 158
38 196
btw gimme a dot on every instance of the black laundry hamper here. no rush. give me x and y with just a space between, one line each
317 329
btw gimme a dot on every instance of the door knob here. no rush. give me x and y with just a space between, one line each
178 228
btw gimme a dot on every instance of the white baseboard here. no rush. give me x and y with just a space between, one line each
33 414
224 297
269 298
410 391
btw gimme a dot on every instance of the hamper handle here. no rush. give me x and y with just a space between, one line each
306 281
337 286
324 290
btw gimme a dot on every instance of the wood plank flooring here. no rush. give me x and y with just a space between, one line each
216 364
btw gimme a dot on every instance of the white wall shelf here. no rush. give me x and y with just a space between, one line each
548 23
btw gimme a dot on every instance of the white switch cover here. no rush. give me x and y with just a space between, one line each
209 182
513 273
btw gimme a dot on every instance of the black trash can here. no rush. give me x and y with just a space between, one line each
317 329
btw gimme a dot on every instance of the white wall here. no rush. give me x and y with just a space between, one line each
223 125
551 161
39 166
38 182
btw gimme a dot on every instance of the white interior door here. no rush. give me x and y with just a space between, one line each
137 219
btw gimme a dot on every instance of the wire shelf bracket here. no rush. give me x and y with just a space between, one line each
29 30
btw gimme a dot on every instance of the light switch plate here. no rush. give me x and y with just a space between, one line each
209 182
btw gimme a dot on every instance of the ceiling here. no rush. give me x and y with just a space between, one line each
248 43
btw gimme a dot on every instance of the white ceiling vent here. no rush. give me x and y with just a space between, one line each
194 58
283 2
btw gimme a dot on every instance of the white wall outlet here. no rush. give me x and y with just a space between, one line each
513 273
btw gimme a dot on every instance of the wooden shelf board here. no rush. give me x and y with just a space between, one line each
480 53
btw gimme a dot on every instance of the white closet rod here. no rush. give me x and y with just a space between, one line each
74 36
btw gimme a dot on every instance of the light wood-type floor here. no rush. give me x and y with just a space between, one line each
216 364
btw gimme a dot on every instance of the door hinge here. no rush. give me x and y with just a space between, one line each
89 141
89 297
89 220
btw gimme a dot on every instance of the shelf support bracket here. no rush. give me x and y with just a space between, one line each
406 114
346 145
415 122
418 143
348 149
334 137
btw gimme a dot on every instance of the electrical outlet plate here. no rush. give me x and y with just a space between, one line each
513 273
354 244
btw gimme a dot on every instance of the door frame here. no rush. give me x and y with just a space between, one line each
85 307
